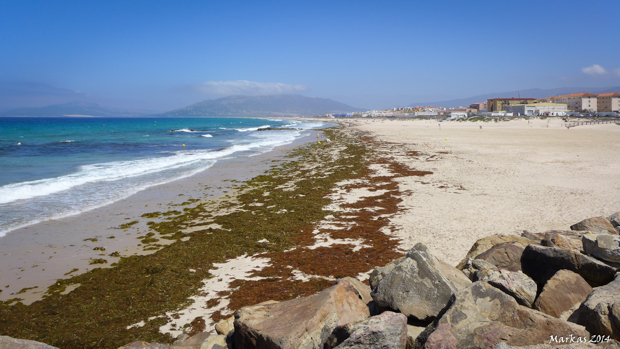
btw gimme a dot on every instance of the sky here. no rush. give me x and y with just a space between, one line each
162 55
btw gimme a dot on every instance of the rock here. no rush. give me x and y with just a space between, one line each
614 219
214 342
386 330
600 312
595 225
541 263
142 345
515 284
417 285
482 245
377 274
412 334
576 344
474 265
481 316
225 326
203 340
568 240
364 293
535 238
506 255
561 293
605 247
13 343
299 323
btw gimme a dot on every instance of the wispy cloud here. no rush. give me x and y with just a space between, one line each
594 70
245 87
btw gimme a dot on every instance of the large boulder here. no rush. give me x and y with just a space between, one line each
386 330
417 285
143 345
605 247
515 284
506 255
595 225
7 342
482 245
541 263
481 316
561 293
299 323
600 312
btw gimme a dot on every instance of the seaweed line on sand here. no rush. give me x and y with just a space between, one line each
322 215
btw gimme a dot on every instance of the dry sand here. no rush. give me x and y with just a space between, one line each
505 177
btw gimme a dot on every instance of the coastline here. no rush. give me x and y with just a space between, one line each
370 192
32 258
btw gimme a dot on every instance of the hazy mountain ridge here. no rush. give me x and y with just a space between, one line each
70 109
274 105
529 93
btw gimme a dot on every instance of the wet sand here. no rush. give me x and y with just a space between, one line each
34 257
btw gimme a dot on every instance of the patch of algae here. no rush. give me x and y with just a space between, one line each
98 312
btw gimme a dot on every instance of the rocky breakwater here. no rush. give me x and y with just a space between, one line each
537 290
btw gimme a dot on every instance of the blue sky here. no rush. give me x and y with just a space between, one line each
161 55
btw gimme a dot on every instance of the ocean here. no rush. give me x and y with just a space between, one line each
57 167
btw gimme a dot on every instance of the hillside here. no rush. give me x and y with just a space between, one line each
276 105
66 109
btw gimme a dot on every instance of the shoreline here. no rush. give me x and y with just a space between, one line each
32 258
371 192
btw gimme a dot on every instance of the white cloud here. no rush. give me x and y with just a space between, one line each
244 87
594 70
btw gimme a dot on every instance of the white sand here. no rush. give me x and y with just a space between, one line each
504 178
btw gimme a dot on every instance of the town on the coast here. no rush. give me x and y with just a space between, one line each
581 104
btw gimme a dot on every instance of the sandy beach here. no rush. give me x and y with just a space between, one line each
499 178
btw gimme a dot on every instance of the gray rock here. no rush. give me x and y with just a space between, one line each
13 343
299 323
506 255
561 293
614 219
473 265
515 284
541 263
605 247
417 285
481 316
596 225
600 312
386 330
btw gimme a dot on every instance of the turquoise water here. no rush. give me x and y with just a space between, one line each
56 167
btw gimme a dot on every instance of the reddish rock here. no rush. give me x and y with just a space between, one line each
506 255
299 323
595 225
482 245
562 292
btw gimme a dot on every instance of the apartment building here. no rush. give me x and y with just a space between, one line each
497 104
608 102
578 102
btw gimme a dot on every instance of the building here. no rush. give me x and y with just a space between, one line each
538 109
608 102
497 104
478 106
580 102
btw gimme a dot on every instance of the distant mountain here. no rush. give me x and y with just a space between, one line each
530 93
276 105
68 109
